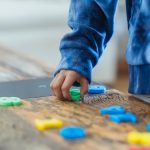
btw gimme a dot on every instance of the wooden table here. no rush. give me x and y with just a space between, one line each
17 129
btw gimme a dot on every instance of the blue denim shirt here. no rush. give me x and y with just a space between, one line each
92 24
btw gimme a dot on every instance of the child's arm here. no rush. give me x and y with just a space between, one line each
91 22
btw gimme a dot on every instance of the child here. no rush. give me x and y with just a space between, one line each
92 24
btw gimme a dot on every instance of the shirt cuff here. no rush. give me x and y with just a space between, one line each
139 79
75 61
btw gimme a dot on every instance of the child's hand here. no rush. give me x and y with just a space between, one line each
64 80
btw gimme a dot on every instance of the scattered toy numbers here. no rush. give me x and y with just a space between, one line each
142 138
75 94
10 101
115 109
42 125
139 148
72 132
148 127
96 89
127 117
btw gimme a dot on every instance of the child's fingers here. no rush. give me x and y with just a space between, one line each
84 86
67 84
51 86
57 84
63 82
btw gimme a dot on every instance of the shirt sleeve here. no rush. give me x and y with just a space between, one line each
92 23
138 49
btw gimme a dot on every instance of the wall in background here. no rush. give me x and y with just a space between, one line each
35 27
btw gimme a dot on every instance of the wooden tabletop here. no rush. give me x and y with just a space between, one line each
17 129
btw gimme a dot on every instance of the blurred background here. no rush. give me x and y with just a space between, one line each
35 27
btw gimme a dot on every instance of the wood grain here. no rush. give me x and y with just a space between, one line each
17 123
